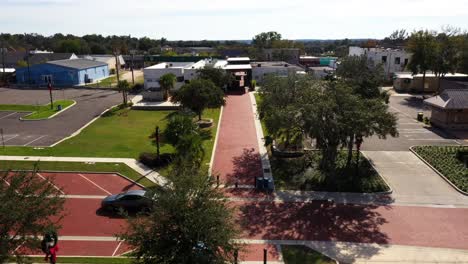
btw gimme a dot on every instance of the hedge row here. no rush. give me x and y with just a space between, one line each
444 159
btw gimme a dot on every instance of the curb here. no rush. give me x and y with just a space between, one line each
216 141
47 118
86 172
390 191
263 152
436 171
77 132
144 171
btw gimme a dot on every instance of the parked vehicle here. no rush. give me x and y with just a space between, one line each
134 200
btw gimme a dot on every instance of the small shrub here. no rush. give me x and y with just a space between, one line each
151 159
112 71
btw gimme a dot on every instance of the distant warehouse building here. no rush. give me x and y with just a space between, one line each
63 72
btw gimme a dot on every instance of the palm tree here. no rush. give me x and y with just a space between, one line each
167 82
123 87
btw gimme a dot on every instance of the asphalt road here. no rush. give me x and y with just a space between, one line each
411 132
90 104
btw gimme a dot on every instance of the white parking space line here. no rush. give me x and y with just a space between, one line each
117 248
34 140
95 184
14 136
51 183
8 115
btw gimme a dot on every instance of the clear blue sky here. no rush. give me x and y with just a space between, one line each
223 19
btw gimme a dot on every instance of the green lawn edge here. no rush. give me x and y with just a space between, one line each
38 111
121 168
121 133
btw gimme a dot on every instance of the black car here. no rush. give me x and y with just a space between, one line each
134 200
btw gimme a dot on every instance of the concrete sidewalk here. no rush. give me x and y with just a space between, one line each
132 163
412 181
346 252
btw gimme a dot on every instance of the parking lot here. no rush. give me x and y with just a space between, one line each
85 230
411 132
90 103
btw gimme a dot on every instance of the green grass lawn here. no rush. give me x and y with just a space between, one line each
108 82
76 166
119 134
304 255
38 111
444 159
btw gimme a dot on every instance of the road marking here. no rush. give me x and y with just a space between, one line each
95 184
117 248
8 115
53 185
34 140
11 138
401 112
79 196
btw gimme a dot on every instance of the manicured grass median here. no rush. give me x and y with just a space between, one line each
303 254
119 134
77 166
38 111
444 159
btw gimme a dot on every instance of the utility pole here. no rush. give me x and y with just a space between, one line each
29 71
117 65
131 66
3 61
49 85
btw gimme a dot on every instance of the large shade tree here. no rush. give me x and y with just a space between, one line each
30 208
446 54
190 222
422 45
218 76
364 77
198 95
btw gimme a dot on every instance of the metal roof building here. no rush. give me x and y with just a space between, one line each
63 73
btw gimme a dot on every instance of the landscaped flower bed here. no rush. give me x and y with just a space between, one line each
444 159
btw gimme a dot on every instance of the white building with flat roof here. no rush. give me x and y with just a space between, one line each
184 72
392 60
279 68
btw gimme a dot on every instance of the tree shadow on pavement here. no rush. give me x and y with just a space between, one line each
315 221
247 167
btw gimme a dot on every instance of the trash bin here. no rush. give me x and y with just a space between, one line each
420 116
259 183
59 107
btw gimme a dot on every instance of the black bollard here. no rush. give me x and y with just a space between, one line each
264 256
217 180
236 255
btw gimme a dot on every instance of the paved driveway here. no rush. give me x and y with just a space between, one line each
412 132
90 104
412 181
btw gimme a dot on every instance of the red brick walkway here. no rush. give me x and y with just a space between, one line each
236 155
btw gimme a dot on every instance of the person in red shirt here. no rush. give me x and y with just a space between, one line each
53 254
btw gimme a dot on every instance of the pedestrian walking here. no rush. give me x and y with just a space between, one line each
53 254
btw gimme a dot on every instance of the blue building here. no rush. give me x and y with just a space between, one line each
63 72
